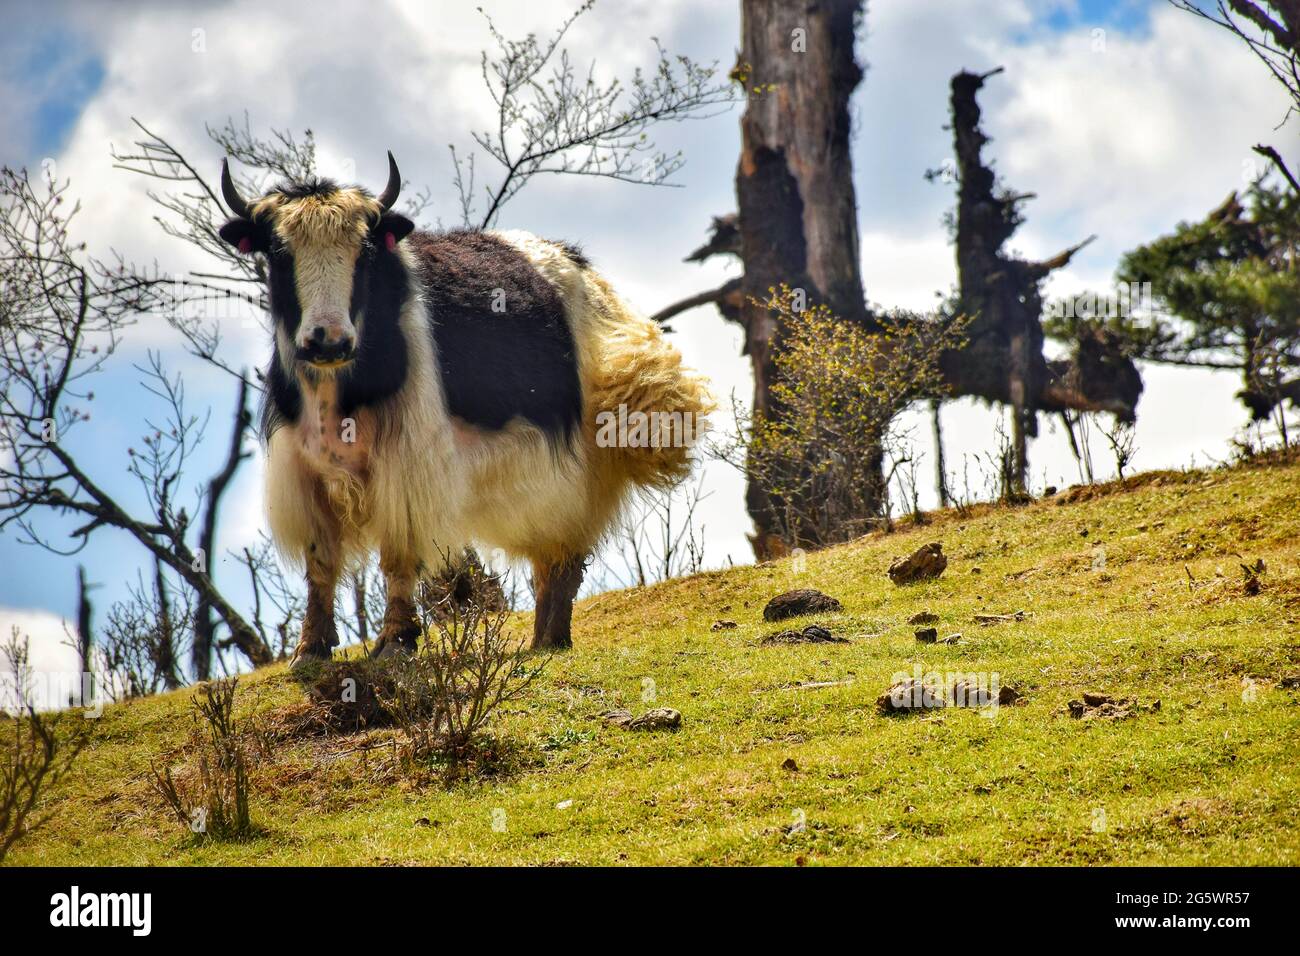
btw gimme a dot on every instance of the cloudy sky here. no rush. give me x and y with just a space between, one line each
1124 116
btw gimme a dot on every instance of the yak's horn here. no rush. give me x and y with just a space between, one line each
389 195
230 194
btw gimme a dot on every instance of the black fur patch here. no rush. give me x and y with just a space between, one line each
315 186
282 289
504 345
575 254
282 400
379 288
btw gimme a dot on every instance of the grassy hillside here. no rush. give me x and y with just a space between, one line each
1210 776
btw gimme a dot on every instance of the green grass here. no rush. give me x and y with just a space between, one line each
1209 778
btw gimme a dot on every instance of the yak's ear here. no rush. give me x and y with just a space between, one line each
243 234
392 228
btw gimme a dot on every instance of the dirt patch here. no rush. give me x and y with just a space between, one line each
1096 706
812 634
344 696
1193 813
990 619
660 718
1153 479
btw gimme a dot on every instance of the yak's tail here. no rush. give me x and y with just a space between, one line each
645 409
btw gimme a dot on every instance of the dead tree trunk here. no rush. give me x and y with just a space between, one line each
165 662
794 185
940 465
1003 360
85 635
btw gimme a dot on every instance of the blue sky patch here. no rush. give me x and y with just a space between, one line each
62 76
1131 16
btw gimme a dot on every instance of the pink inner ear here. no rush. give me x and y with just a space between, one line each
245 245
390 241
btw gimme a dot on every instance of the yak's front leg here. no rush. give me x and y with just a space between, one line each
556 584
319 634
401 629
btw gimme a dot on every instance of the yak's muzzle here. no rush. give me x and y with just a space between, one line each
327 346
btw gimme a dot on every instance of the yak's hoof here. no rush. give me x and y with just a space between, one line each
403 643
392 649
306 653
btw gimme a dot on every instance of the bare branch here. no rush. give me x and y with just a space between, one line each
567 122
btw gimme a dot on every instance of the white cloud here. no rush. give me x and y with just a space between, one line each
51 662
906 271
1127 141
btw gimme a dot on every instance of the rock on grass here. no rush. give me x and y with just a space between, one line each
661 718
909 695
968 693
923 564
800 601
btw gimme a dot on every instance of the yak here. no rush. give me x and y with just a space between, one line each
431 391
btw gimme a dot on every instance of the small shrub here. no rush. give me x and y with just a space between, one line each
212 800
347 695
466 667
440 698
818 454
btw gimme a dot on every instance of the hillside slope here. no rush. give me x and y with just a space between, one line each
1135 591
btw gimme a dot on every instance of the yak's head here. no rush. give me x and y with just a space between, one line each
323 245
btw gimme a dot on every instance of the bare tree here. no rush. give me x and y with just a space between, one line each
63 316
144 636
38 750
274 596
84 638
204 621
796 223
1122 439
1003 360
940 465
